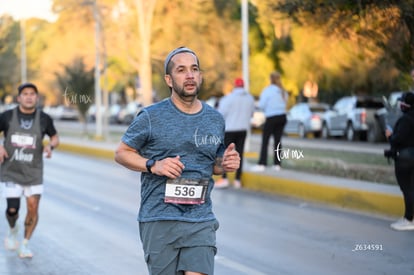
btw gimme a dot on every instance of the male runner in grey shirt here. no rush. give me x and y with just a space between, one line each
178 144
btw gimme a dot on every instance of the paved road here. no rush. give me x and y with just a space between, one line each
87 226
254 141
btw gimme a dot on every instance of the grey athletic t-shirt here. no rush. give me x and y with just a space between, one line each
160 131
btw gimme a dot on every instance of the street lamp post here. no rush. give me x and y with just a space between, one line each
98 96
245 55
23 58
245 42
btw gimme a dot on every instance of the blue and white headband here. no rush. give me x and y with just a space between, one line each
174 52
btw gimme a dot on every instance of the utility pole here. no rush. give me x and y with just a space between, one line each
23 58
245 55
245 42
98 96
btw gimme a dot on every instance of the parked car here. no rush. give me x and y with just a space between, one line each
91 113
128 112
112 115
62 112
6 107
114 110
305 118
354 117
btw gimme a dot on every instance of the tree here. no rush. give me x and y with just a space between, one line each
9 61
211 28
388 25
145 13
270 38
77 86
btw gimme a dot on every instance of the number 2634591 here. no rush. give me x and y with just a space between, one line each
367 247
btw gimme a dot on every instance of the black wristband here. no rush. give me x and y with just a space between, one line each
149 164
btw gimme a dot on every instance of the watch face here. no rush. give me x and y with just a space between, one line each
150 163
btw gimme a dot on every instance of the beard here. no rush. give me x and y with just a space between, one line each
188 91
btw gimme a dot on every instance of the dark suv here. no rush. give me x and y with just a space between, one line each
354 117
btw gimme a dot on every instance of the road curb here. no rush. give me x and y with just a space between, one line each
85 150
366 201
348 198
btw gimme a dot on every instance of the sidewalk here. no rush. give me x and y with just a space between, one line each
350 194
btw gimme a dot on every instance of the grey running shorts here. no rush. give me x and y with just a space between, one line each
172 247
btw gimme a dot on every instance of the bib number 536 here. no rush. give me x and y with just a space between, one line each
185 191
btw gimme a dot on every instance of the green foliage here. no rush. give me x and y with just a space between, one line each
217 40
385 25
344 46
76 84
37 36
9 60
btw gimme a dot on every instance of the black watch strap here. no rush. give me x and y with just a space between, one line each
149 164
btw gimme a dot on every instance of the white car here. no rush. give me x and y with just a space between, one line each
305 118
62 112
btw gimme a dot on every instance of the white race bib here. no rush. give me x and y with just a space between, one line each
186 191
23 140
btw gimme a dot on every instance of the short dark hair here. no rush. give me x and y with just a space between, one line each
173 53
27 85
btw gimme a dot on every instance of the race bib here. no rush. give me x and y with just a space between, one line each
186 191
23 140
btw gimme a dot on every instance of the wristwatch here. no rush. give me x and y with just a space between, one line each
149 164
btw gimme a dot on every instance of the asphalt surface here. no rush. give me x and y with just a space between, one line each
85 228
363 196
88 226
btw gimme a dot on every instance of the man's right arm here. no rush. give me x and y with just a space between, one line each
3 154
3 128
129 157
4 121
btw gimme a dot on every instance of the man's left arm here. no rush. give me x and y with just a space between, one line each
53 137
53 143
230 161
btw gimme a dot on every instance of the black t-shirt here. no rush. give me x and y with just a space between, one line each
403 131
46 122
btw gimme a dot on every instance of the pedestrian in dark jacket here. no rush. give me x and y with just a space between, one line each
401 138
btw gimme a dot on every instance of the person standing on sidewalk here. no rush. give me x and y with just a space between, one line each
178 144
273 100
402 137
237 109
21 158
